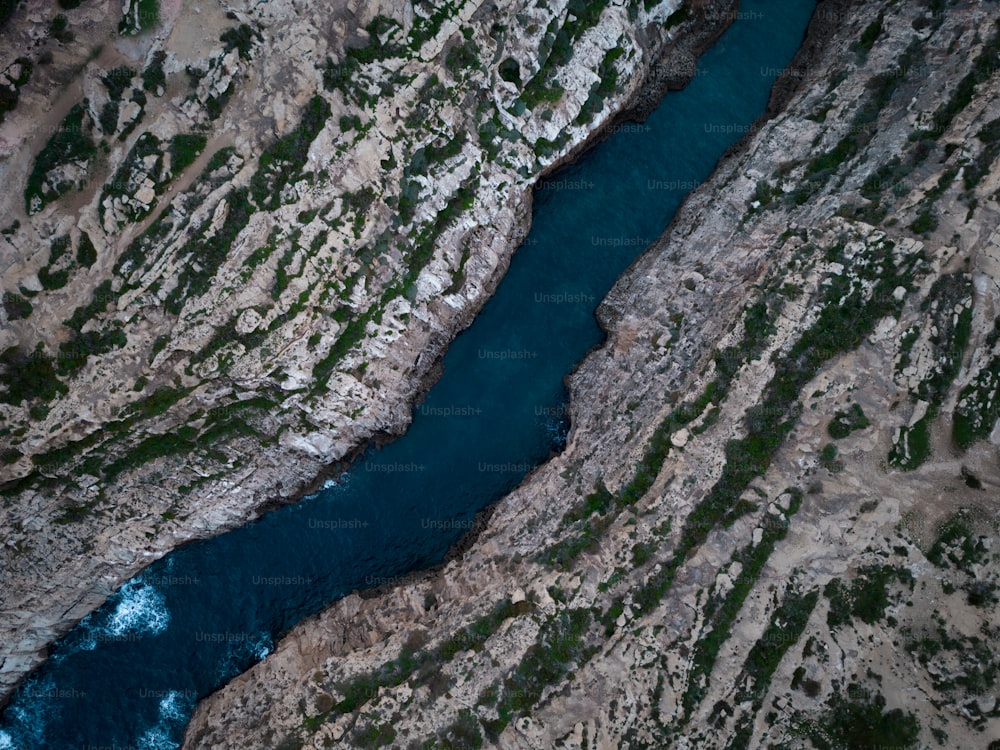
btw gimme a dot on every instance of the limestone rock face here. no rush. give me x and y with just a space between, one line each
268 217
817 540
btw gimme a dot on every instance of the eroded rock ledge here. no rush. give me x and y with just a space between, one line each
775 522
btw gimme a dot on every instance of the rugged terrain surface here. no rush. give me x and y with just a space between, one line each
250 230
775 523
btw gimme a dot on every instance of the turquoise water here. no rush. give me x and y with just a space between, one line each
129 674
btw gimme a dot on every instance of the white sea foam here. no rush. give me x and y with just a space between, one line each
141 609
263 646
29 714
252 648
174 713
173 706
340 482
157 738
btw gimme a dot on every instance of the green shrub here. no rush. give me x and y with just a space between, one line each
153 76
9 95
71 142
241 38
184 149
870 34
510 71
86 253
462 56
28 375
913 446
117 81
16 306
787 624
858 724
846 422
59 29
141 15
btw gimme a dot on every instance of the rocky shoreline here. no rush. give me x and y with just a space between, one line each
63 553
780 528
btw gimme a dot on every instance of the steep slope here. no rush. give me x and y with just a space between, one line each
254 246
775 521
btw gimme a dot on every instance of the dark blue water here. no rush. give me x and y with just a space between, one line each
130 673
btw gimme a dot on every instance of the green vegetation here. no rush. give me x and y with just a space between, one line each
219 159
978 668
510 71
117 81
866 598
132 173
242 38
828 459
9 95
55 274
141 15
983 67
786 625
27 376
184 149
98 303
181 441
86 253
73 354
559 649
59 29
846 422
462 57
605 87
474 636
870 35
989 135
205 255
418 666
978 406
881 89
153 77
464 733
282 162
913 445
70 143
417 256
758 326
7 8
856 724
721 616
950 339
159 402
16 306
847 316
556 50
957 544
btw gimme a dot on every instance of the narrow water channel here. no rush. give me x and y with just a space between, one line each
128 676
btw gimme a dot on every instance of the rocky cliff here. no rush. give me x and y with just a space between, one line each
236 239
776 519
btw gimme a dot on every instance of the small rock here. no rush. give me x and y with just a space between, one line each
145 195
